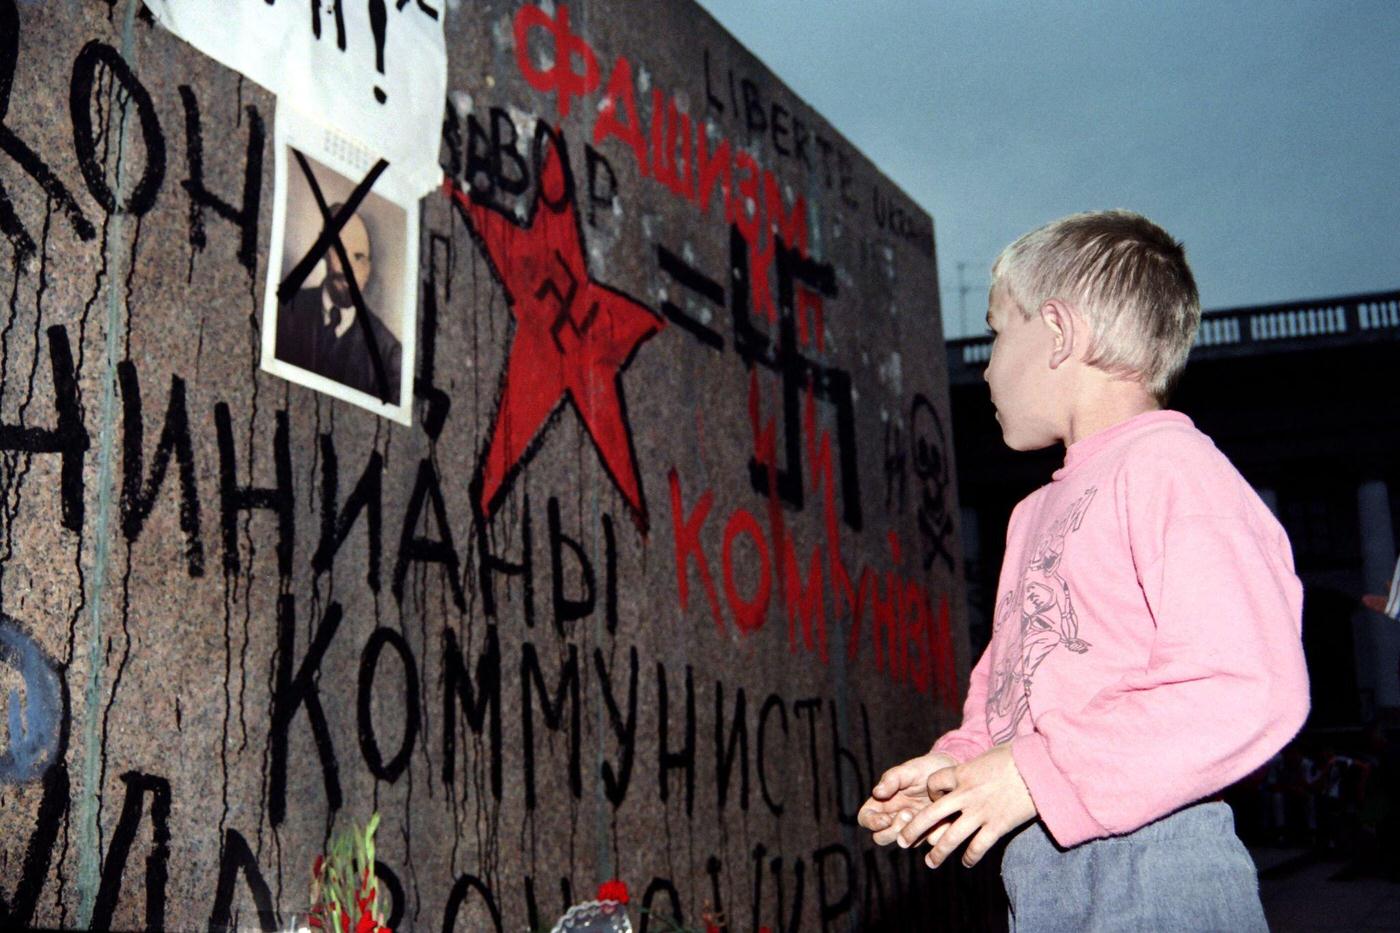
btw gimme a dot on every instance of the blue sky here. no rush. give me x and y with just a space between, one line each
1266 136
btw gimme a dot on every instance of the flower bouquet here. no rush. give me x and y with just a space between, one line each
344 890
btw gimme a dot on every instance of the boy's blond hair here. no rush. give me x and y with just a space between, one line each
1129 279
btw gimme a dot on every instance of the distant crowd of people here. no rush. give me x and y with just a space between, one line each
1335 793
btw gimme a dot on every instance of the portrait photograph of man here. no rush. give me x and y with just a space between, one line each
338 308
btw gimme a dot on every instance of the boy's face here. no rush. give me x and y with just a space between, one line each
1019 375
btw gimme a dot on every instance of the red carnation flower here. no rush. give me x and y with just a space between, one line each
613 890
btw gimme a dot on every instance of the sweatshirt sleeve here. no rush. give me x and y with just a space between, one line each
971 738
1225 687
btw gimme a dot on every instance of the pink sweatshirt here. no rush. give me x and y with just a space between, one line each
1146 651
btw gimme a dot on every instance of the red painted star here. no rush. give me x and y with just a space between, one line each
573 337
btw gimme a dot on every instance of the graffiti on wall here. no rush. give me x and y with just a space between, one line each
583 619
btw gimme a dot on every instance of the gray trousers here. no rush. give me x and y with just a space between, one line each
1186 872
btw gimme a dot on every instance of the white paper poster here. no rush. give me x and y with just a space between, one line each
375 70
340 307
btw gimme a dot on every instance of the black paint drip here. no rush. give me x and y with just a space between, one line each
378 24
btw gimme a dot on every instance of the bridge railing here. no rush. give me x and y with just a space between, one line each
1298 325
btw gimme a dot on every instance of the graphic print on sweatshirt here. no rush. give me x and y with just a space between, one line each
1042 613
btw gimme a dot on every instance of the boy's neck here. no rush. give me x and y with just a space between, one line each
1103 402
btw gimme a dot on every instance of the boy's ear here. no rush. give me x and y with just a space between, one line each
1057 316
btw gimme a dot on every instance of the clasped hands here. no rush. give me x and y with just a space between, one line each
934 799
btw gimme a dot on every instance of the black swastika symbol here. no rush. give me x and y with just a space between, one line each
564 317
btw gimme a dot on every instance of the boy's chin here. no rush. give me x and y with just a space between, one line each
1023 441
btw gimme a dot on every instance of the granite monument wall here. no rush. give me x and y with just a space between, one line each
662 575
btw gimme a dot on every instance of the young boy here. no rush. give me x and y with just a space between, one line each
1146 651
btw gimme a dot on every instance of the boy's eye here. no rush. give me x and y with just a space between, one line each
991 333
